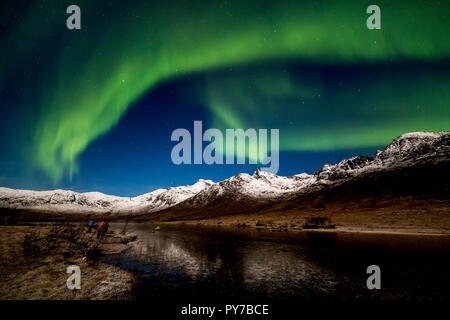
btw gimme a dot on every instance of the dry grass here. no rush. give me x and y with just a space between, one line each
65 239
407 216
35 259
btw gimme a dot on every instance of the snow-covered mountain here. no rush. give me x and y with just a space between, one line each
267 187
410 147
261 187
96 202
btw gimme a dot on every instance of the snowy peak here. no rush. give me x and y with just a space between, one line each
407 147
174 195
260 186
202 184
413 139
411 145
263 184
261 174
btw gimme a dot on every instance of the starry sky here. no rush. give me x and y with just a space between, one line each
93 109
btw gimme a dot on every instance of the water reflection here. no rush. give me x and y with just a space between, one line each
219 262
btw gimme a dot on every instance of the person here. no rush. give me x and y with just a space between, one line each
105 229
100 229
90 226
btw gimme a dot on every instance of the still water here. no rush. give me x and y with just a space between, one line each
214 263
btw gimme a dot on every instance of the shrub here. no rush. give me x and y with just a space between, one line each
67 240
318 222
32 245
92 253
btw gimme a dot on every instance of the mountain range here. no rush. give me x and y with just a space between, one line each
414 166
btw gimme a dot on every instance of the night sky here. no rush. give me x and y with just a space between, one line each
93 109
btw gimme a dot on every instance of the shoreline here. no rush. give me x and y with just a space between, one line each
253 224
45 277
414 218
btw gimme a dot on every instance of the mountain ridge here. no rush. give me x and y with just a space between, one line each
261 189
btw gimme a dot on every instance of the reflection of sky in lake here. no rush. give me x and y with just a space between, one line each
161 251
284 268
272 266
213 262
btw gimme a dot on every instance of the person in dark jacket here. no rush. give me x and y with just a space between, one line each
90 226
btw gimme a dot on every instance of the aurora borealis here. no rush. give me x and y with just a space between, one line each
310 68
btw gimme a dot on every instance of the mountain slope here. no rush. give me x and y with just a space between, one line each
413 165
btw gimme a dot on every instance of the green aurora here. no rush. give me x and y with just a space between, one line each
88 79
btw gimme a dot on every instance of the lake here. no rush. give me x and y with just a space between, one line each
212 264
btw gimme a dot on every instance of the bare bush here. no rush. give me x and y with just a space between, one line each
67 240
318 222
